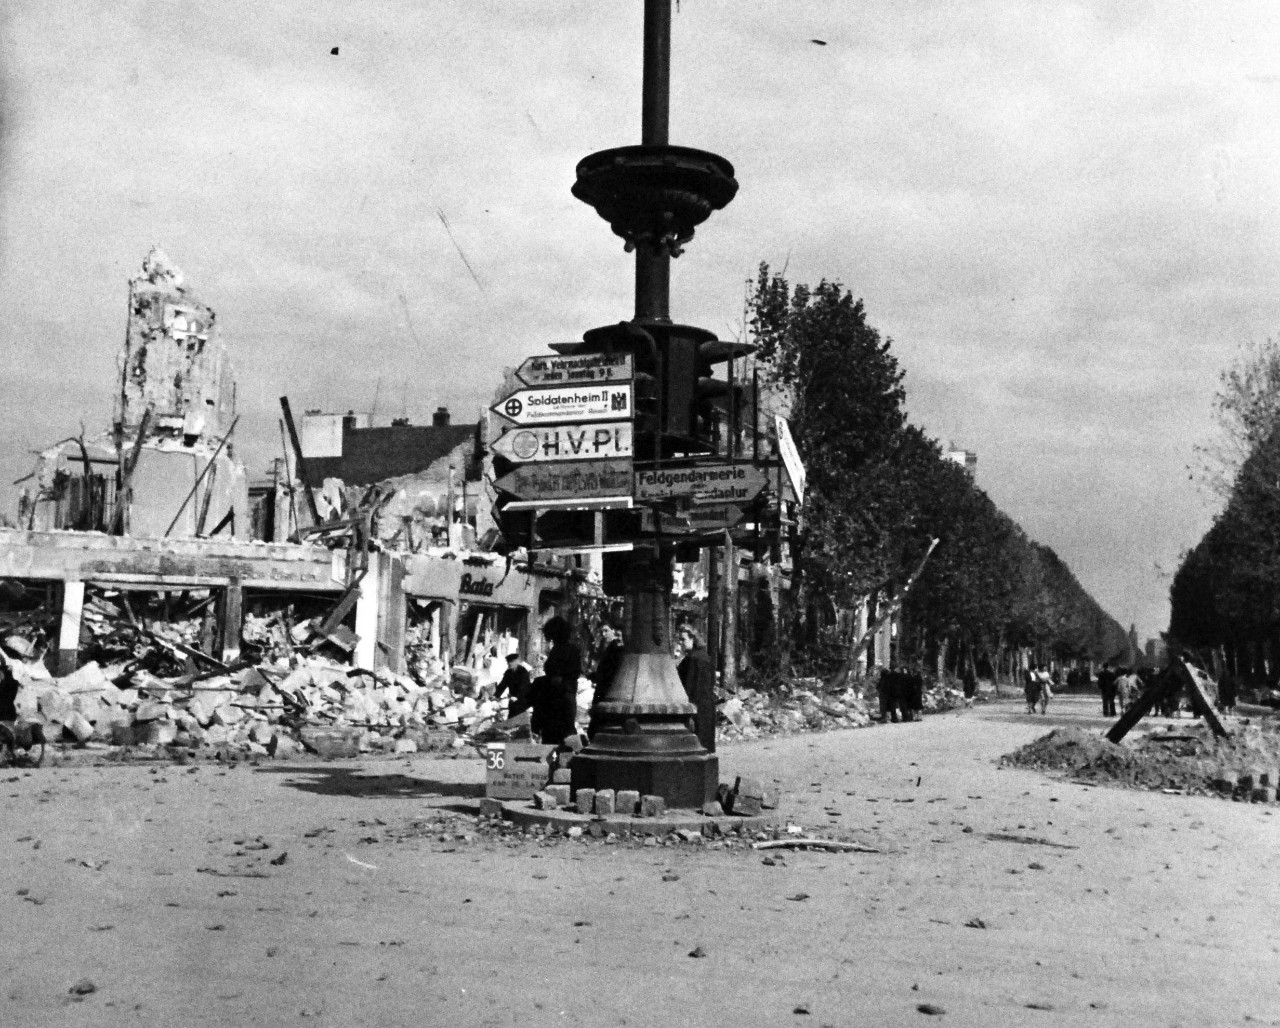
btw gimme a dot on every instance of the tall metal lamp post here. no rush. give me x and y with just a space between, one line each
653 196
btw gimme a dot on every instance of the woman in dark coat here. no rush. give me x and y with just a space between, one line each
554 694
699 680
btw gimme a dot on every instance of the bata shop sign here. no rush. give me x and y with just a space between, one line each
437 579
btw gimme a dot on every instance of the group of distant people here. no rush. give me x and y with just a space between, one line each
901 693
552 697
1037 687
1119 687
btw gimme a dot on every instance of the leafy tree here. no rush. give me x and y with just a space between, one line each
879 491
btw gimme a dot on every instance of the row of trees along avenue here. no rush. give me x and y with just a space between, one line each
879 491
1225 596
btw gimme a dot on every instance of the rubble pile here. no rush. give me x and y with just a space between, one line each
272 708
1188 759
799 707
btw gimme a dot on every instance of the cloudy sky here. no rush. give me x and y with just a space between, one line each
1064 214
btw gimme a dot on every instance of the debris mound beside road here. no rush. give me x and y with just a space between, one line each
1182 758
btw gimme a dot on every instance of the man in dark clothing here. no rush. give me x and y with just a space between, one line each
553 695
1107 686
890 687
912 695
8 693
515 680
699 680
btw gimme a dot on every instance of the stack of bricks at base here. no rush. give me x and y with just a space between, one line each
627 802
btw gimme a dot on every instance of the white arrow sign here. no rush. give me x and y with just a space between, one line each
566 404
565 442
579 369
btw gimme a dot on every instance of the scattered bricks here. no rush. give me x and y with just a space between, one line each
604 801
490 807
561 776
564 758
627 801
747 797
688 835
545 800
1263 794
712 808
332 742
586 801
560 792
652 806
78 725
160 733
406 746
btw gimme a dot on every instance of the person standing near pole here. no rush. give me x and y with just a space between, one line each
554 694
611 650
699 680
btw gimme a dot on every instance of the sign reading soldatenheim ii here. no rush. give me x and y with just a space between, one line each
565 404
579 369
703 483
566 442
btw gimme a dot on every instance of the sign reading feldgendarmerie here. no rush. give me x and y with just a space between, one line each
548 443
565 404
579 369
583 480
701 483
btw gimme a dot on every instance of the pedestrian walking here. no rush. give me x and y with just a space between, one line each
1107 687
889 689
1046 690
1031 688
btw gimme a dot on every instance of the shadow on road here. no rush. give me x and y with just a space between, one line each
339 781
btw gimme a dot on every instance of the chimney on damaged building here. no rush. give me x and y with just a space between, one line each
440 418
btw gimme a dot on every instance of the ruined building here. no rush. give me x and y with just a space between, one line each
166 467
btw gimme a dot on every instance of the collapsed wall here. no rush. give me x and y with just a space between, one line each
173 362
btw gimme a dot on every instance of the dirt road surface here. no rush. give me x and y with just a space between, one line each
327 894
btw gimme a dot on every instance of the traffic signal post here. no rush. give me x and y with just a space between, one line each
612 432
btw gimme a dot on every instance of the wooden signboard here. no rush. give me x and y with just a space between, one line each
548 443
559 369
566 404
720 484
515 771
582 480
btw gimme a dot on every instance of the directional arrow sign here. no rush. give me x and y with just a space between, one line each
585 480
710 519
566 404
790 455
565 442
579 369
701 483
